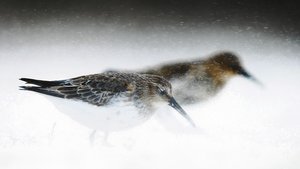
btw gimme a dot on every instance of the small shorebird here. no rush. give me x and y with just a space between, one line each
109 101
199 80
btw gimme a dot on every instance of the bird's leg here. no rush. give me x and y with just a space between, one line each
51 135
105 140
92 137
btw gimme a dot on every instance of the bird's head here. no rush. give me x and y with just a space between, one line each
161 91
226 65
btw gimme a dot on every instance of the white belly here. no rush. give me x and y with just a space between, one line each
186 91
118 116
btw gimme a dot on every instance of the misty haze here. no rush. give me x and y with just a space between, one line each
244 126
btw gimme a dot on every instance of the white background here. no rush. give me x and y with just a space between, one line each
245 126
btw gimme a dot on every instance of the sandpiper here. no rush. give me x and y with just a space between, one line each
109 101
199 80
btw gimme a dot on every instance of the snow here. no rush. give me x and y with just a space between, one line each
245 126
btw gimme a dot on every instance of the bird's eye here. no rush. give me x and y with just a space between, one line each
161 91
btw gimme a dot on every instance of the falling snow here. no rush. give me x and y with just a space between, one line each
245 126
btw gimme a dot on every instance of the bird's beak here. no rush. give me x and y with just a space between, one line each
175 105
247 75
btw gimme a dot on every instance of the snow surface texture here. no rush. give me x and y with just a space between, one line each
245 126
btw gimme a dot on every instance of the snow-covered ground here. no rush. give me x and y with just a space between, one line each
245 126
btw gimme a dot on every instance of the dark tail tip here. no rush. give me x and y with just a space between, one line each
31 88
24 79
41 83
23 87
32 81
42 91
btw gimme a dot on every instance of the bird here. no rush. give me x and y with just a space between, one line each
108 101
200 79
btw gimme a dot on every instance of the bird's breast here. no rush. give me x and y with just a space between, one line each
120 113
191 89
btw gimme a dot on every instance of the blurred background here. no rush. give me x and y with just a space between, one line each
245 126
276 16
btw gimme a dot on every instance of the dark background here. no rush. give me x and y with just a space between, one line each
280 16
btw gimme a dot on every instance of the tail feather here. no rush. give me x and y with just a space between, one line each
42 83
42 90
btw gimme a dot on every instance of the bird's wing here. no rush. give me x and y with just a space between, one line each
94 89
170 71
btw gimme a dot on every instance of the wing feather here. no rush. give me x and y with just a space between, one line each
96 89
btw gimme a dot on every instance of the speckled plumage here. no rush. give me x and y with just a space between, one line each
117 91
199 80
